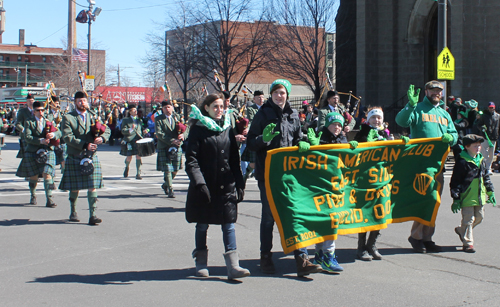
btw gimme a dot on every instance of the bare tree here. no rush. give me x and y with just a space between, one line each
229 42
299 53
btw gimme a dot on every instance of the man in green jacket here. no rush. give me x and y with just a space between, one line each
82 141
132 131
427 120
23 115
169 157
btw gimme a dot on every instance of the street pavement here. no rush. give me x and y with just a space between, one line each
141 253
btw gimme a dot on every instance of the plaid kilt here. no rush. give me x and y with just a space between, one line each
62 156
248 155
22 144
163 163
29 167
128 153
73 180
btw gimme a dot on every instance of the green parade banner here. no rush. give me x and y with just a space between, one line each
337 189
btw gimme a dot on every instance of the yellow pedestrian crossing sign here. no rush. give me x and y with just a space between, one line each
445 65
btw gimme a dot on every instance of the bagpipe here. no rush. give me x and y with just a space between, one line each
355 109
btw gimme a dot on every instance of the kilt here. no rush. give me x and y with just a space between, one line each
22 144
29 167
248 155
163 163
62 156
128 153
73 180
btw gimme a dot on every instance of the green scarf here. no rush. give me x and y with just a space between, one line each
477 160
208 122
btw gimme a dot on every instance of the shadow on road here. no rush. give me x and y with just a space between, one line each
151 210
23 222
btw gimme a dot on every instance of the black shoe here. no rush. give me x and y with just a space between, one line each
74 217
125 172
138 177
431 247
417 245
171 193
469 249
165 188
94 220
266 263
33 200
50 203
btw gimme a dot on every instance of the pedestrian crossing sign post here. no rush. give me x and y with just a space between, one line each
445 65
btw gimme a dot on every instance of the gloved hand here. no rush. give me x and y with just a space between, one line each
491 198
455 207
354 144
405 139
304 146
311 135
267 134
203 193
413 96
446 138
372 136
240 193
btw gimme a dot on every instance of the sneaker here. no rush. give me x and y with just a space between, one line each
457 231
431 247
330 263
318 257
138 177
469 249
417 245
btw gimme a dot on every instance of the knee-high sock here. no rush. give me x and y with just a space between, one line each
92 198
32 185
167 177
46 185
127 163
138 164
73 197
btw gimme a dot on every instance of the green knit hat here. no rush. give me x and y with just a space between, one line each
334 117
285 83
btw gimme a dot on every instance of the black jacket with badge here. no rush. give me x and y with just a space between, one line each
362 135
287 123
212 158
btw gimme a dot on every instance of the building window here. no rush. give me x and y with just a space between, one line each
7 59
1 58
26 59
44 59
44 73
19 58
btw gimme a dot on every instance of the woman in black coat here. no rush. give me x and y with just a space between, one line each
216 182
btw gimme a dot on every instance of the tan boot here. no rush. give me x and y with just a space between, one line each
233 266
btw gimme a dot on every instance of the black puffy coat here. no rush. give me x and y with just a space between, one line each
212 158
328 138
362 135
287 123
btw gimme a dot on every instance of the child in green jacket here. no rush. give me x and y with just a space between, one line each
469 185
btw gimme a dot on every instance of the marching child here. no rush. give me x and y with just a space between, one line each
469 185
372 130
332 133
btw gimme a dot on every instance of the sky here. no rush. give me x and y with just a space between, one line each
120 29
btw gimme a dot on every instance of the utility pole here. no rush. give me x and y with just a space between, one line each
118 73
442 31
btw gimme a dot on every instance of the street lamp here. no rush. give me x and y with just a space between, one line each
89 16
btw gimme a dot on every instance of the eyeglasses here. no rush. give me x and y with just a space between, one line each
39 110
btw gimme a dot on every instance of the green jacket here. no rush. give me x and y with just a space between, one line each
130 134
23 115
251 111
77 134
165 132
33 136
427 121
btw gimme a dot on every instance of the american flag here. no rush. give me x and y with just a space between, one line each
79 55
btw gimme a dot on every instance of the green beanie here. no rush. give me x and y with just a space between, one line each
334 117
285 83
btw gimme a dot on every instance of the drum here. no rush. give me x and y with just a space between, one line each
2 139
145 147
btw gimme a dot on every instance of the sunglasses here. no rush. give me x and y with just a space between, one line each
39 110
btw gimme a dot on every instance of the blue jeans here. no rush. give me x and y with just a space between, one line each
267 224
244 164
228 236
